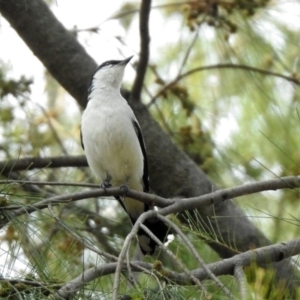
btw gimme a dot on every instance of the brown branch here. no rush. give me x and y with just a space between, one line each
217 197
52 183
220 67
30 163
199 259
13 211
53 50
144 54
241 280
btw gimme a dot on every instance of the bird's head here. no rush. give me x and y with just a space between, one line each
109 74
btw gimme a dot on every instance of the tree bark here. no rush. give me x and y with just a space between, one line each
172 172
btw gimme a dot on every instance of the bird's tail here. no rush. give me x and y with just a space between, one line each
159 229
134 209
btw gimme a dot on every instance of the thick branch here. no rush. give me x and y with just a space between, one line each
55 47
290 78
170 205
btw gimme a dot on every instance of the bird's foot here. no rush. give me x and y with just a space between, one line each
125 189
105 185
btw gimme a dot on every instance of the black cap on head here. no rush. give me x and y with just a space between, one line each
115 62
126 60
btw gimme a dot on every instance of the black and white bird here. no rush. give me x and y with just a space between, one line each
114 145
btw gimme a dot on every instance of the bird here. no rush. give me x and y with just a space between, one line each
114 146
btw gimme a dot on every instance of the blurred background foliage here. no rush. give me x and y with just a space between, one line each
238 124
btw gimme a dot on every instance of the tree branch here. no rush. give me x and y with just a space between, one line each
262 256
292 79
201 262
52 183
169 205
30 163
241 280
60 53
144 55
218 197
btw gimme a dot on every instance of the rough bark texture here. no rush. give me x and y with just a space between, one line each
172 173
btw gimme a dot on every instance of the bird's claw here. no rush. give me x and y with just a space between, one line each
125 189
105 185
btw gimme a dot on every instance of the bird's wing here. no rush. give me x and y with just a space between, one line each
81 140
139 134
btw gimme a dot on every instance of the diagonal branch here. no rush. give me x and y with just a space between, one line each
292 79
36 25
196 254
52 183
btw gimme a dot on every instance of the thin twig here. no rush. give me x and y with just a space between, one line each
57 183
30 163
130 274
170 205
134 11
188 51
131 235
79 238
91 274
196 254
125 248
174 258
109 192
220 196
220 67
241 280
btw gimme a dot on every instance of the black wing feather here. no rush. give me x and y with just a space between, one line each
142 144
81 139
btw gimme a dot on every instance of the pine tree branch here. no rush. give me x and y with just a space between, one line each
290 78
169 205
30 163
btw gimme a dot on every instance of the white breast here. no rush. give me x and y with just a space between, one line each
111 144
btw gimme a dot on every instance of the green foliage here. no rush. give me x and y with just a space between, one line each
13 87
238 124
27 128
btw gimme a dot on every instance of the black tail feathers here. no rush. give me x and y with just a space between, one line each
159 229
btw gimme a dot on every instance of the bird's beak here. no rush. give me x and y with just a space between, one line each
125 61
